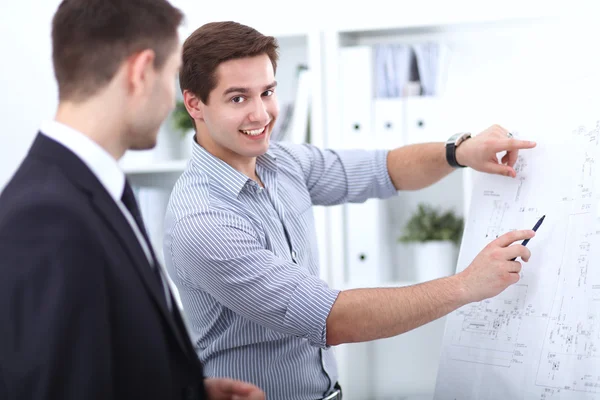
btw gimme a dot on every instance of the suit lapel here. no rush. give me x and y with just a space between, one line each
114 217
72 166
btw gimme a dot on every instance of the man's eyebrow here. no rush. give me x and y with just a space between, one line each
235 90
243 90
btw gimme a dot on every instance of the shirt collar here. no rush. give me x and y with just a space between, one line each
98 160
223 175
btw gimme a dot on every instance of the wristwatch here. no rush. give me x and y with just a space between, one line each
451 144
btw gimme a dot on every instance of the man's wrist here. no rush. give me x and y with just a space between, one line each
459 289
452 146
459 155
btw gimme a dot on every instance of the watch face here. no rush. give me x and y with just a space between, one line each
464 137
454 138
461 137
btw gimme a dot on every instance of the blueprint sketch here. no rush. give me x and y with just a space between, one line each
540 338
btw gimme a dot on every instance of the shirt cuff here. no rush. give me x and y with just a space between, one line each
386 186
309 308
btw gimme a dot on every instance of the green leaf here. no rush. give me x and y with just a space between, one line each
428 224
181 120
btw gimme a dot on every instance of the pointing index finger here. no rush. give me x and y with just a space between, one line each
514 144
509 238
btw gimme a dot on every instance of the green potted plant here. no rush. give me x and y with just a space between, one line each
184 125
435 236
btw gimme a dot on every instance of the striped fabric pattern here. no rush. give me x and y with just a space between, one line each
245 261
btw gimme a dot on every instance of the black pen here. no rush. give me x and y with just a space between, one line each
535 228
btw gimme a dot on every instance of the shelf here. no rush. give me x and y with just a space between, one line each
161 174
163 167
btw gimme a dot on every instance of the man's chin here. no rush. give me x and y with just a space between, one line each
255 152
142 147
146 144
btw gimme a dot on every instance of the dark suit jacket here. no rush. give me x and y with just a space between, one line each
82 315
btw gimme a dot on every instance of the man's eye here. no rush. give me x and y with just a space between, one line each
268 92
237 99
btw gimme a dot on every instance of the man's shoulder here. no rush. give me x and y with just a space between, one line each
286 151
293 160
194 195
192 182
43 201
291 155
37 183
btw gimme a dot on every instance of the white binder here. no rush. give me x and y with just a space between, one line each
356 96
364 223
390 122
423 121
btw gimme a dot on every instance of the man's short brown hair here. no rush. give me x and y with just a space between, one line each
217 42
91 38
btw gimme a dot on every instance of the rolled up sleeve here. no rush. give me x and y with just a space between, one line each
224 255
309 307
343 176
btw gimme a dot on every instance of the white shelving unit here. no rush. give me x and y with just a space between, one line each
161 174
368 231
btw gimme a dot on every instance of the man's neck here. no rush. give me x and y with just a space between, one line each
244 165
94 121
248 168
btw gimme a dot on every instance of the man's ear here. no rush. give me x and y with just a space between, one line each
140 72
194 106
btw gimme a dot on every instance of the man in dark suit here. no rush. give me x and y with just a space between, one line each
85 310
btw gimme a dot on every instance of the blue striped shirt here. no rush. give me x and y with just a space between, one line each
245 261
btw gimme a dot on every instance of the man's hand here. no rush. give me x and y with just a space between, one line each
492 271
480 151
229 389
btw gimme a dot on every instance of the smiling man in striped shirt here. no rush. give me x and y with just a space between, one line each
240 240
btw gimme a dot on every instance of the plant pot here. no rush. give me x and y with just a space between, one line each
434 259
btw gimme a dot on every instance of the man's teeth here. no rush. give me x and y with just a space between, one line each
254 132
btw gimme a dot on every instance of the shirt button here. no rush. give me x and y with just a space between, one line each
294 255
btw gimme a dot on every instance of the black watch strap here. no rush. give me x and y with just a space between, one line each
451 156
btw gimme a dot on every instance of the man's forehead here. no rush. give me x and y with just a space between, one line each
228 83
246 68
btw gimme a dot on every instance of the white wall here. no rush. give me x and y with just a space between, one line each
28 92
284 17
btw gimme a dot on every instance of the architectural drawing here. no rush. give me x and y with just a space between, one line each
540 338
